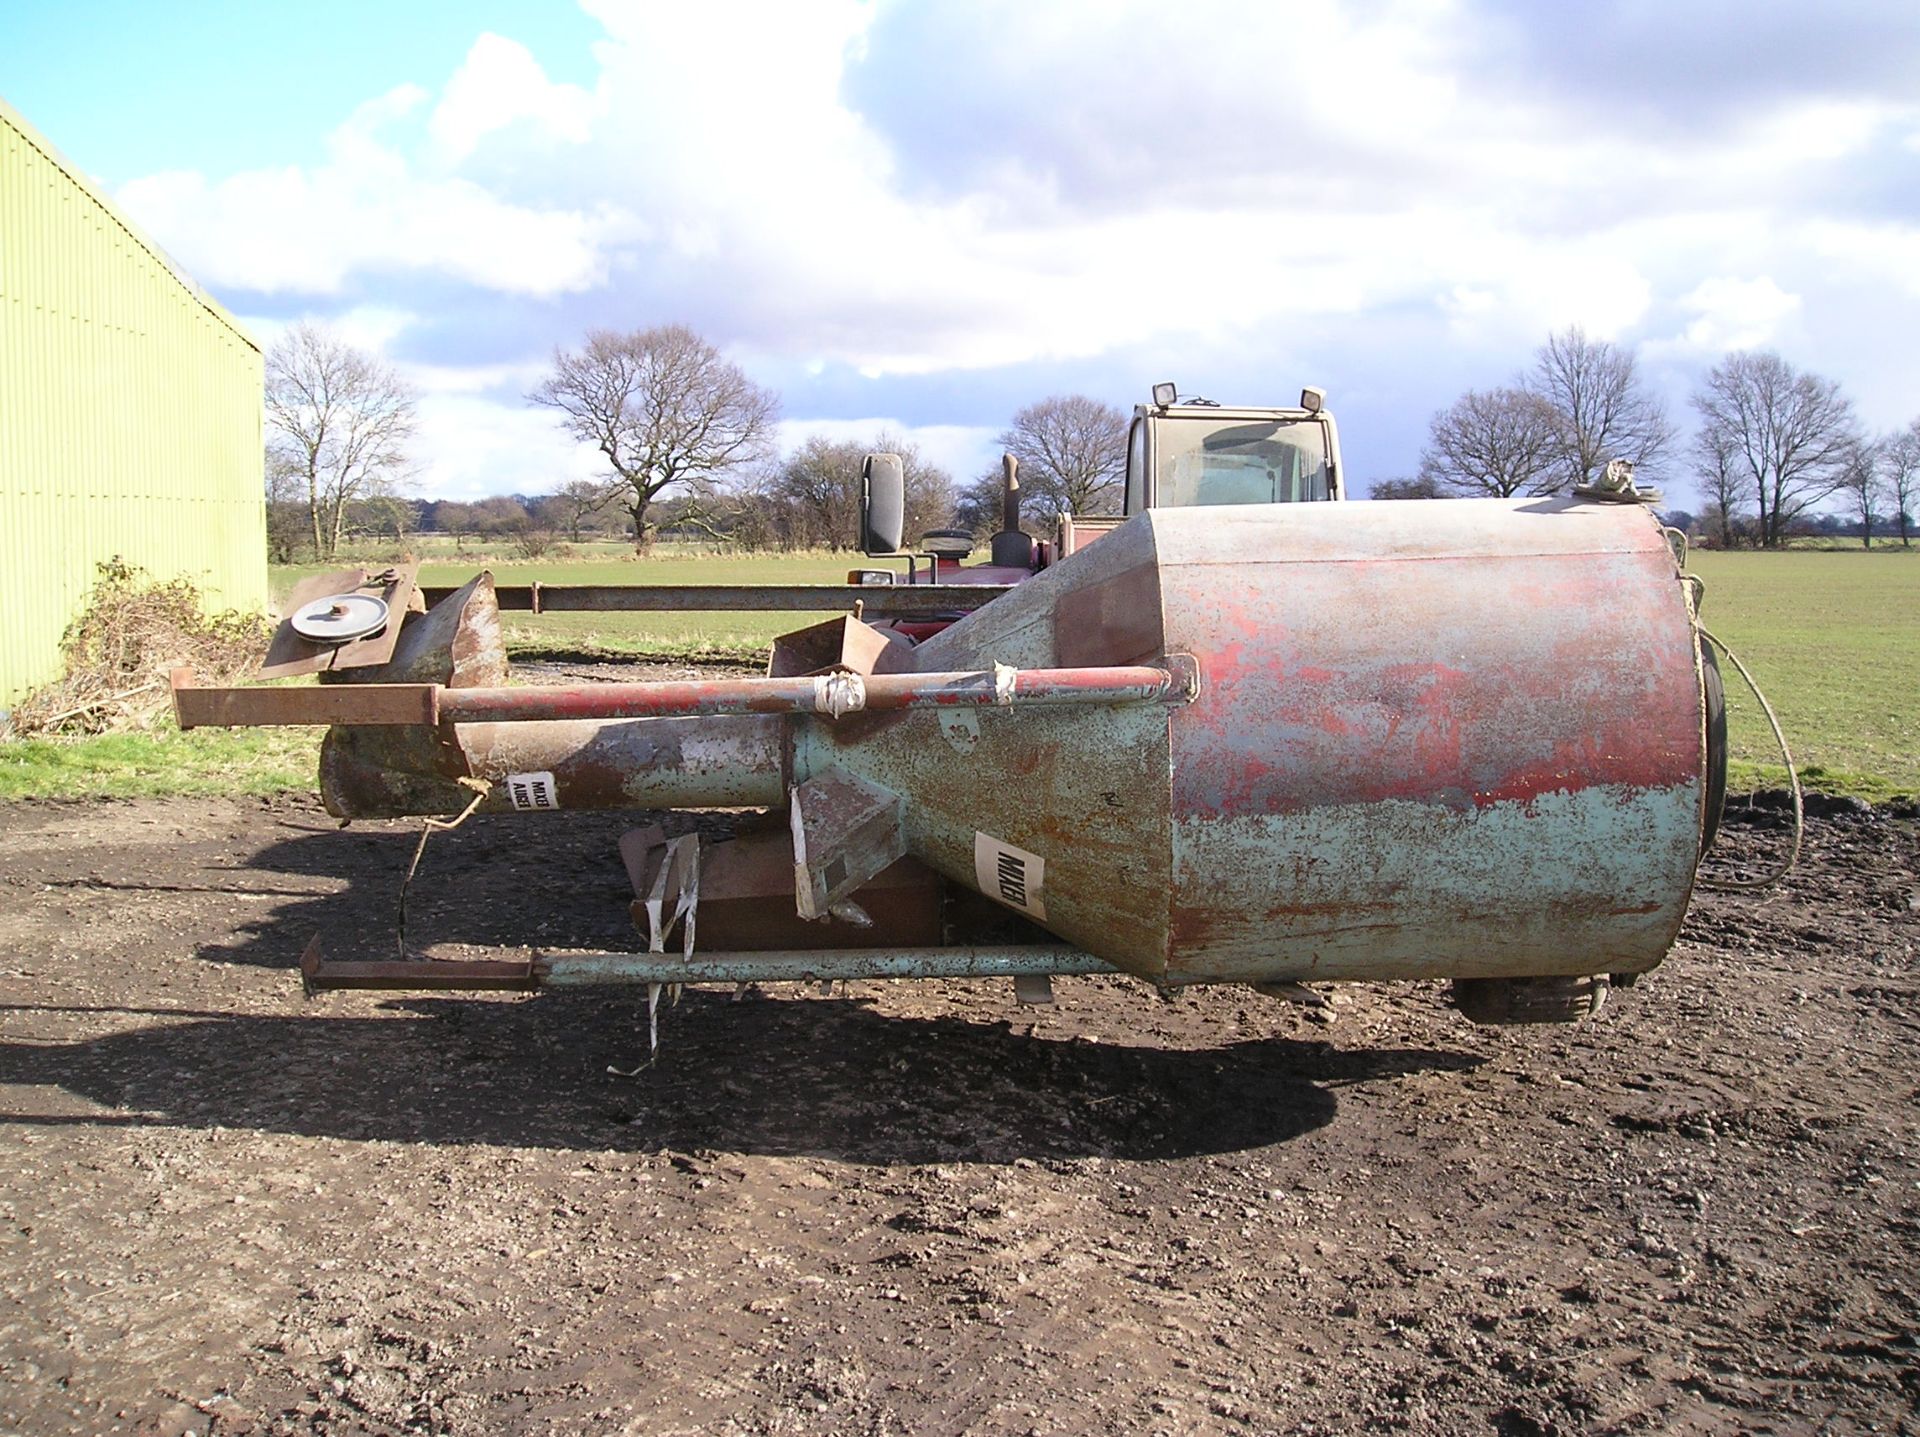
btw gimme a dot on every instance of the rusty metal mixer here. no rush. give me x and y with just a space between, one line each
1271 745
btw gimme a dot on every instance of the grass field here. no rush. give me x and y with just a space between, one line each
165 763
1832 635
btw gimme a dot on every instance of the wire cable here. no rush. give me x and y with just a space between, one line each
1793 781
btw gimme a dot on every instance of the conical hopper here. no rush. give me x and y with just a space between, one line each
1459 739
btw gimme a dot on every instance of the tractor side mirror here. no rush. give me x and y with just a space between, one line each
883 504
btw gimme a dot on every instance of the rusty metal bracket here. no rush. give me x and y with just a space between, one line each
498 975
196 707
1185 669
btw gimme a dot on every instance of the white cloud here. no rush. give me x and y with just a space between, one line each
1521 292
497 85
904 190
1729 313
471 446
1876 254
367 210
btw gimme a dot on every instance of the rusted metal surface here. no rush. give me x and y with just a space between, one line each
1467 746
845 830
1081 787
578 969
1116 620
457 643
843 643
833 694
1425 743
567 970
823 694
1425 740
386 704
289 654
319 974
727 762
880 599
746 902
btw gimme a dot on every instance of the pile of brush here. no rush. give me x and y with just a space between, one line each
132 632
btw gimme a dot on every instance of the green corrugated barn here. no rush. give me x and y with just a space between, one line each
129 413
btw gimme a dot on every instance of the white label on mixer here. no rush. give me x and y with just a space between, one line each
533 791
1014 876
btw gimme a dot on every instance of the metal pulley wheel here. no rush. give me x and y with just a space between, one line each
340 618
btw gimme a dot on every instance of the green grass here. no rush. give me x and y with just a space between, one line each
162 764
1832 635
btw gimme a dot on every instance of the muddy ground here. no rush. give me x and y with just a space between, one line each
920 1209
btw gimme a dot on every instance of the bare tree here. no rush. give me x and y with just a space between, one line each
339 422
666 409
1422 488
1900 458
811 499
1603 410
815 493
1724 484
1498 442
1790 435
572 504
1865 489
1072 452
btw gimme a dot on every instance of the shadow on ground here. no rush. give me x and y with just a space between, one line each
825 1077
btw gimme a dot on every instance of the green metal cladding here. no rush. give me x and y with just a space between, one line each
130 413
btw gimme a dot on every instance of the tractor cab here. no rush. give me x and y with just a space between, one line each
1196 452
1180 454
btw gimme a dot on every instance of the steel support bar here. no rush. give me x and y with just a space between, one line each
307 704
479 975
883 600
586 970
833 694
575 970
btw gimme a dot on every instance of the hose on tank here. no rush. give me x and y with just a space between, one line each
1793 780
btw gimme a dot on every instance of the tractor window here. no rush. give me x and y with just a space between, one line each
1267 462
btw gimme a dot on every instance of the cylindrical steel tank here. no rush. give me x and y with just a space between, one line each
1459 739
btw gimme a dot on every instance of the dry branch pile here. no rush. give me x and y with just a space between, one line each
119 650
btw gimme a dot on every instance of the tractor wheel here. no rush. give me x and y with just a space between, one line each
1530 1000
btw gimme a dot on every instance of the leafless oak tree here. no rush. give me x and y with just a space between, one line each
338 425
573 503
1723 483
1791 435
1603 410
811 498
1865 490
1900 460
666 409
1497 442
1072 452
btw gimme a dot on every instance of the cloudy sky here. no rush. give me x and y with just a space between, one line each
925 213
